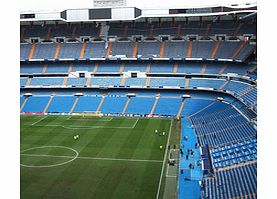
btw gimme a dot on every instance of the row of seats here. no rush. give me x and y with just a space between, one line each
138 92
234 153
139 28
115 104
149 49
246 92
237 182
155 67
218 124
243 90
117 81
142 104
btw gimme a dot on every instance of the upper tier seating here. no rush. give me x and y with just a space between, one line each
202 49
45 51
70 50
139 28
94 50
227 49
61 30
122 48
176 49
146 49
25 51
149 49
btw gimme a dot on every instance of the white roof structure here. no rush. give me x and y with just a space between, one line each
144 9
109 3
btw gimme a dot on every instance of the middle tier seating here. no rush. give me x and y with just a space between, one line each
153 67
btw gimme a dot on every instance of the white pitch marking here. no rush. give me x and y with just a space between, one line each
86 119
160 182
89 127
69 117
52 165
169 176
39 120
135 123
90 118
90 158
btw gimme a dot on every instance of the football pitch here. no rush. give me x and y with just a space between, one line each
114 157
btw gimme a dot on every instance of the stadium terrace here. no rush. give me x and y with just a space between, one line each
123 102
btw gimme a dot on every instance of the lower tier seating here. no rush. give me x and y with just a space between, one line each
61 104
234 153
113 104
236 182
221 124
36 104
140 105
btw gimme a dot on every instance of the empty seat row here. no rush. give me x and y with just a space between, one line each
154 67
217 125
238 182
128 29
235 153
145 49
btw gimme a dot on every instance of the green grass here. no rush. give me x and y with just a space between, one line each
117 157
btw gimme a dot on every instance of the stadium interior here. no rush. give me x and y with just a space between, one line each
201 70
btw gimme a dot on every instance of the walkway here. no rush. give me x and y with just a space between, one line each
189 179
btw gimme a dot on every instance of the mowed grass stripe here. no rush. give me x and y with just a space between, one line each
130 143
149 143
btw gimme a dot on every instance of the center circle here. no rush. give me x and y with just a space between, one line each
71 158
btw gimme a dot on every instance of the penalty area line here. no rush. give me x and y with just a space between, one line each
39 120
135 123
